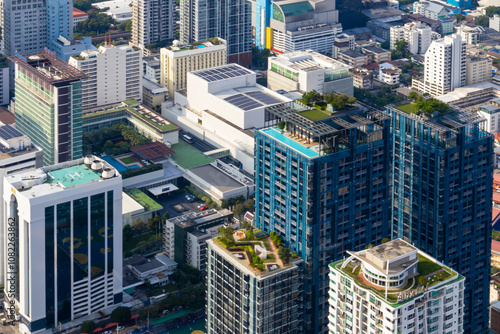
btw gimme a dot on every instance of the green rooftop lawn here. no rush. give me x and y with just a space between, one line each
127 160
426 266
188 157
104 112
131 102
314 115
409 108
165 127
143 199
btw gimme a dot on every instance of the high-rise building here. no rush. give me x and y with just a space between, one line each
296 25
243 299
153 21
477 69
442 167
444 66
48 105
226 19
177 60
322 183
114 75
66 223
470 35
24 26
395 288
17 154
415 34
59 20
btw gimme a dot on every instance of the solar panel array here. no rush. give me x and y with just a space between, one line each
251 100
222 73
8 132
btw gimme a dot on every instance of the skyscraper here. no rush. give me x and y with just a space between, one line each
114 75
64 232
59 19
444 66
227 19
48 105
153 21
442 196
322 183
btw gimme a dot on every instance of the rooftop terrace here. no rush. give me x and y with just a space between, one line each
136 110
147 202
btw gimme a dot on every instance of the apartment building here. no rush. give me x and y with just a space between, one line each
417 36
343 42
153 21
362 78
177 60
477 69
114 74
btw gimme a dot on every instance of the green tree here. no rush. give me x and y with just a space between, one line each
249 204
422 280
459 17
386 45
384 240
259 58
150 224
128 232
120 314
165 216
483 21
311 96
97 23
281 125
88 327
400 50
284 253
492 10
238 209
412 96
224 204
139 225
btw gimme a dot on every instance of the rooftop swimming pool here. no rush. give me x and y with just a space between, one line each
118 166
275 133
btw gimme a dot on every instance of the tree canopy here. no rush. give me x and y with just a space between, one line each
400 50
430 105
88 327
97 24
120 314
483 21
492 10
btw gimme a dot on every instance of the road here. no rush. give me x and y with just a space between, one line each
114 37
198 143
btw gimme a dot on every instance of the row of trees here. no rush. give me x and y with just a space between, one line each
114 140
337 101
120 315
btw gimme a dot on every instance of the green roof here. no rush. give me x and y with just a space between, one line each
147 202
315 115
297 8
73 176
189 157
131 102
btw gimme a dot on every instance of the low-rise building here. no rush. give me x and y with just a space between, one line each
431 9
353 58
477 69
376 54
362 78
177 60
157 270
78 16
65 48
495 317
491 113
185 236
343 42
151 68
153 94
389 75
307 70
469 34
242 298
399 288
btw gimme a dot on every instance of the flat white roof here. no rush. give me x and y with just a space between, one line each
462 92
164 189
307 60
129 205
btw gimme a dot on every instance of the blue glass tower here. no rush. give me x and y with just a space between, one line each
263 14
442 181
324 187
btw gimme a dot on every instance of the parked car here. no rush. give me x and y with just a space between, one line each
190 198
203 207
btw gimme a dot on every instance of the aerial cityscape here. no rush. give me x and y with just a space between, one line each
250 166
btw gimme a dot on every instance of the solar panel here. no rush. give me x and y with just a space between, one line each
8 132
223 72
4 149
263 97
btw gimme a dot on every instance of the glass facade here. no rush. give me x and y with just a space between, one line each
49 266
110 231
98 234
63 262
80 239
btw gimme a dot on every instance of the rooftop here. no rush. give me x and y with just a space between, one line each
308 61
200 218
352 54
187 156
222 72
48 180
216 178
79 13
136 110
48 67
375 49
147 202
177 46
151 151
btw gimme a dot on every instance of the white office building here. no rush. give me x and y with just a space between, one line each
495 22
379 290
65 225
444 66
470 35
114 75
491 113
223 105
307 70
17 153
431 9
152 21
417 36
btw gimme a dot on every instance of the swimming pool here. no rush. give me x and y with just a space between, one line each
118 166
273 132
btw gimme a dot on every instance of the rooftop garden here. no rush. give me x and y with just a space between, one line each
114 140
421 105
264 253
143 199
321 102
429 274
